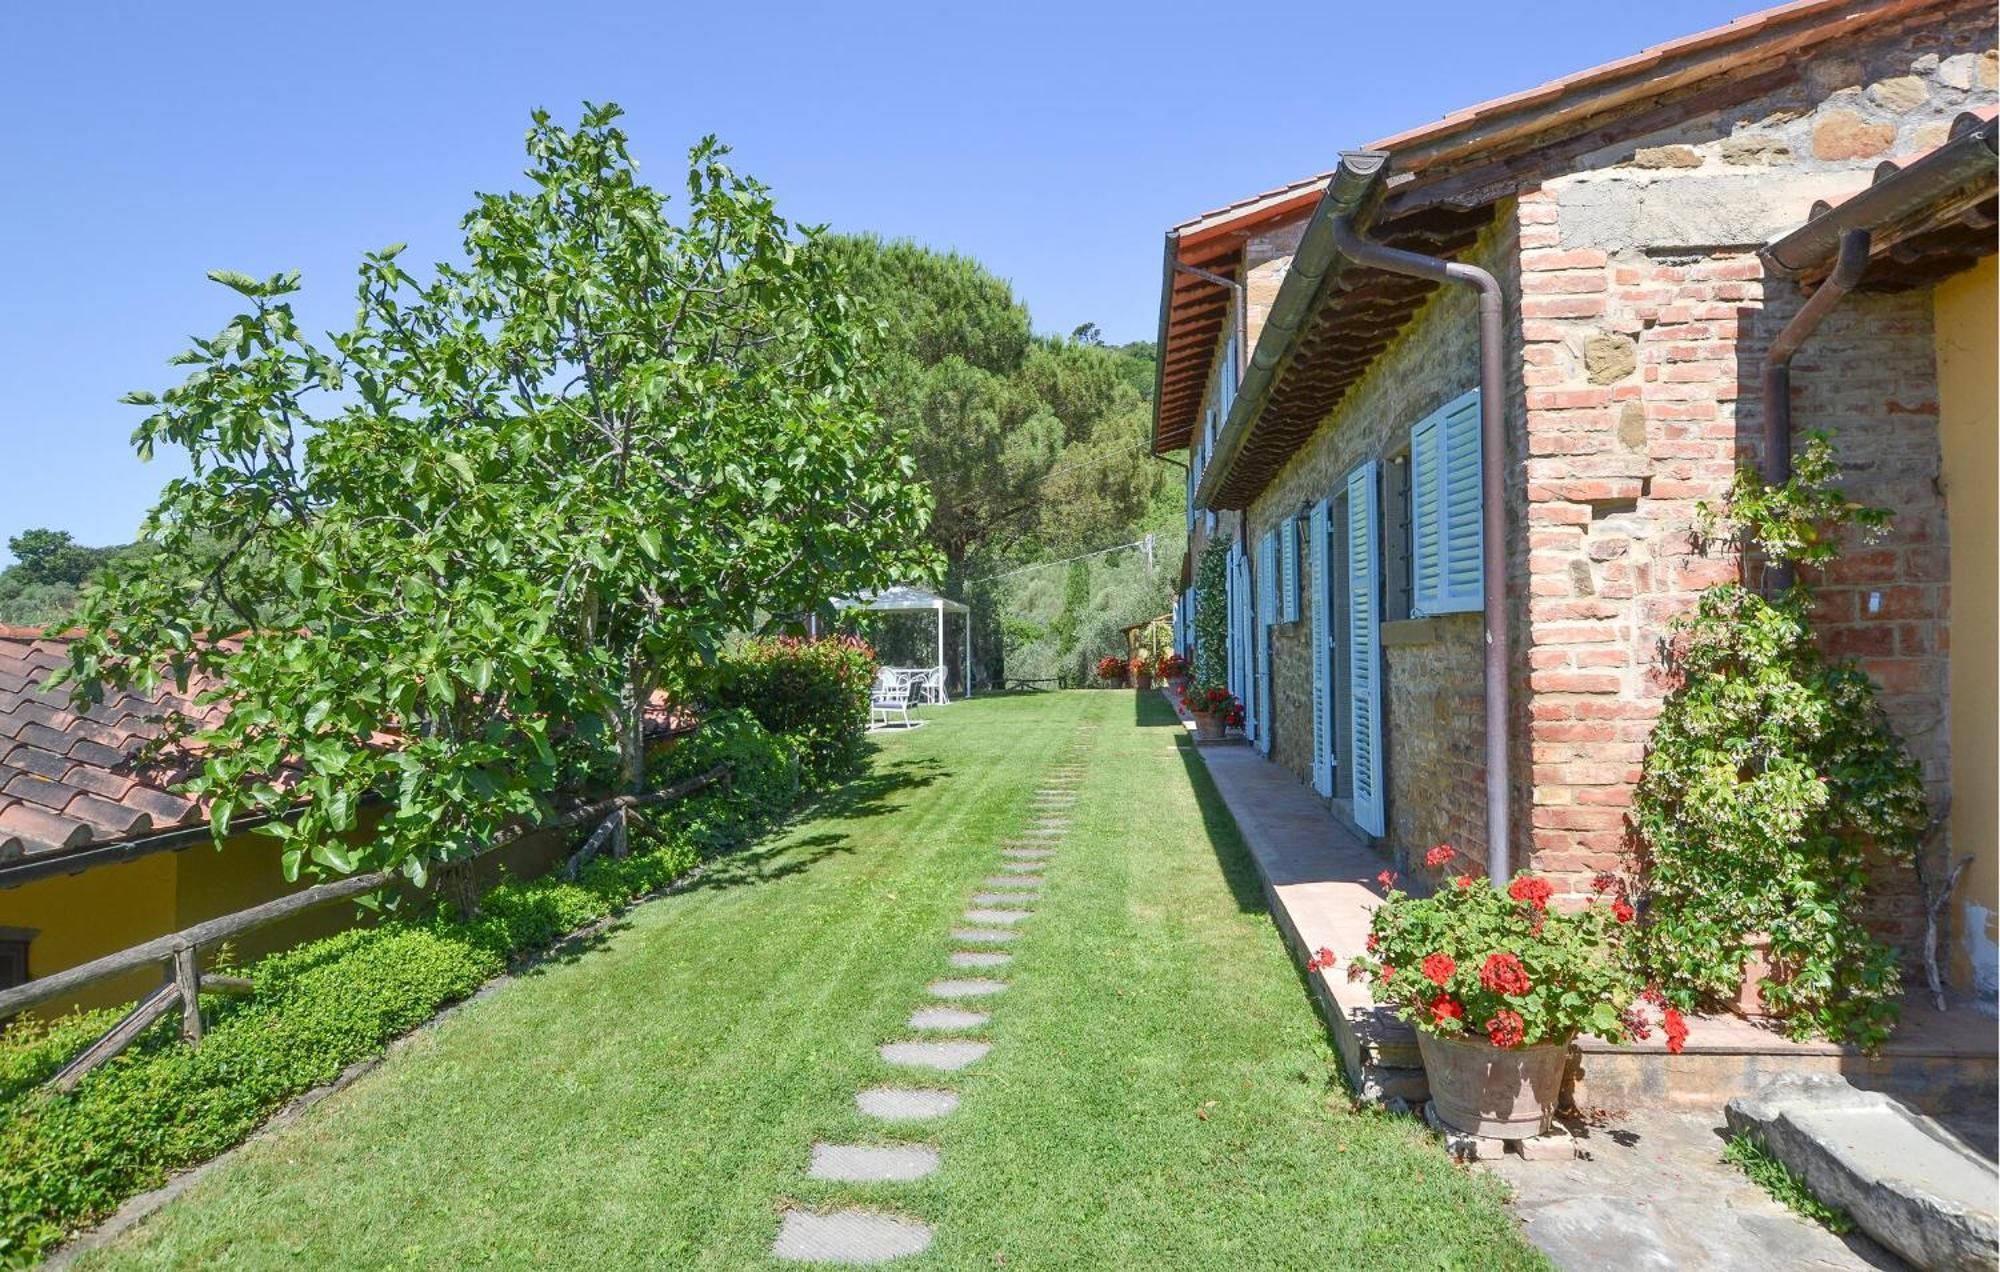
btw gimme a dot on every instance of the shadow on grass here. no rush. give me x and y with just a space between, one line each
777 856
1224 839
1151 711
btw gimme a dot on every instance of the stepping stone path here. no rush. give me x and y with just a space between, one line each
980 958
949 1057
872 1164
968 987
947 1018
983 915
848 1236
858 1236
905 1104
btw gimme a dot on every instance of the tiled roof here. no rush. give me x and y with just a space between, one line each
70 779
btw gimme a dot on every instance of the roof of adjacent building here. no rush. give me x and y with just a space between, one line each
70 779
1444 177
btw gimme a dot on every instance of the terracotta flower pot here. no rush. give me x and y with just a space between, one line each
1482 1089
1207 725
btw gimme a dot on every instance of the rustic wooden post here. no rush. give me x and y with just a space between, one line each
187 982
621 833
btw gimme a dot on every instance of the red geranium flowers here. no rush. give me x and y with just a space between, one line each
1503 974
1535 892
1437 968
1506 1029
1439 857
1322 958
1443 1008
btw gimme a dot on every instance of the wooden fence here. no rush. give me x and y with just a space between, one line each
179 951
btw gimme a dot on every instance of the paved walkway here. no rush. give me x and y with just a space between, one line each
1653 1191
947 1039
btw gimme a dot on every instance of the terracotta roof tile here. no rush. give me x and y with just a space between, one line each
42 830
109 816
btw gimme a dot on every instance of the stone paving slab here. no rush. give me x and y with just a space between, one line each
872 1163
848 1236
980 958
983 936
1028 867
947 1018
1027 854
981 914
1022 882
1002 898
905 1104
1043 832
967 987
947 1057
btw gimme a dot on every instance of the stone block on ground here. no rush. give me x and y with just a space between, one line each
1907 1182
905 1104
848 1236
872 1163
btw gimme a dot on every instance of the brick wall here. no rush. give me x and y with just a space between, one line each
1645 316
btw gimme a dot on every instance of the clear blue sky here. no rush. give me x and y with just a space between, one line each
148 143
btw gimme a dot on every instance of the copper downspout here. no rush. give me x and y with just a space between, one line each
1493 512
1852 263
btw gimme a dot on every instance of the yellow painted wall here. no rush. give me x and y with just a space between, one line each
1968 384
84 916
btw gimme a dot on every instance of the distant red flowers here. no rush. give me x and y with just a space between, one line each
1535 892
1465 881
1373 941
1622 910
1503 974
1387 878
1439 857
1444 1008
1675 1029
1437 968
1322 958
1506 1029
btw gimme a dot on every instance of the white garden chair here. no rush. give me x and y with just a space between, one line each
891 696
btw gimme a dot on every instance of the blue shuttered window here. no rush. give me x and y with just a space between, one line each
1446 543
1322 650
1364 650
1267 614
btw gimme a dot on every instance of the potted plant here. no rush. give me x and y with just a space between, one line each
1111 668
1142 672
1173 670
1213 709
1497 984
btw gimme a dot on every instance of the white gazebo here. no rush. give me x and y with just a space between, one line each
915 600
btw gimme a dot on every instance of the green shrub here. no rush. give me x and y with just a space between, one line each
813 692
1211 616
764 780
66 1161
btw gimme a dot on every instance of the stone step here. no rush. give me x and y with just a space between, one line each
946 1057
980 958
983 936
872 1163
947 1018
1024 867
905 1104
848 1236
1001 898
983 914
1907 1181
967 987
1023 882
1027 854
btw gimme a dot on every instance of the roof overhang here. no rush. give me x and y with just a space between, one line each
1434 189
1927 217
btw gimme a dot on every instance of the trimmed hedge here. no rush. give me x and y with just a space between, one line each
68 1161
813 692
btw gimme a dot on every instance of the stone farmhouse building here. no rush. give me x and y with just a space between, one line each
1405 483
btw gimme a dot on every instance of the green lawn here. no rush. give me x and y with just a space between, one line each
1160 1092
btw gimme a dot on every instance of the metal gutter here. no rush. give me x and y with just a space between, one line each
1966 163
1493 508
1160 340
1315 265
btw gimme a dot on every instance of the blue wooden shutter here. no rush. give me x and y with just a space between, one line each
1322 663
1288 570
1364 652
1447 539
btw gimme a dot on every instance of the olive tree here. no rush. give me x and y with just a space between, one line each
441 561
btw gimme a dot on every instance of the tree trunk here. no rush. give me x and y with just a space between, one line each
458 884
631 726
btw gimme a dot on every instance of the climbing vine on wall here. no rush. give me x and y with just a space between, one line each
1773 781
1211 615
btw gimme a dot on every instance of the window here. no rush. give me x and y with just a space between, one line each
1446 539
14 956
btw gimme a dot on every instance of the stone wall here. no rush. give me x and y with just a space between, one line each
1433 695
1646 315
